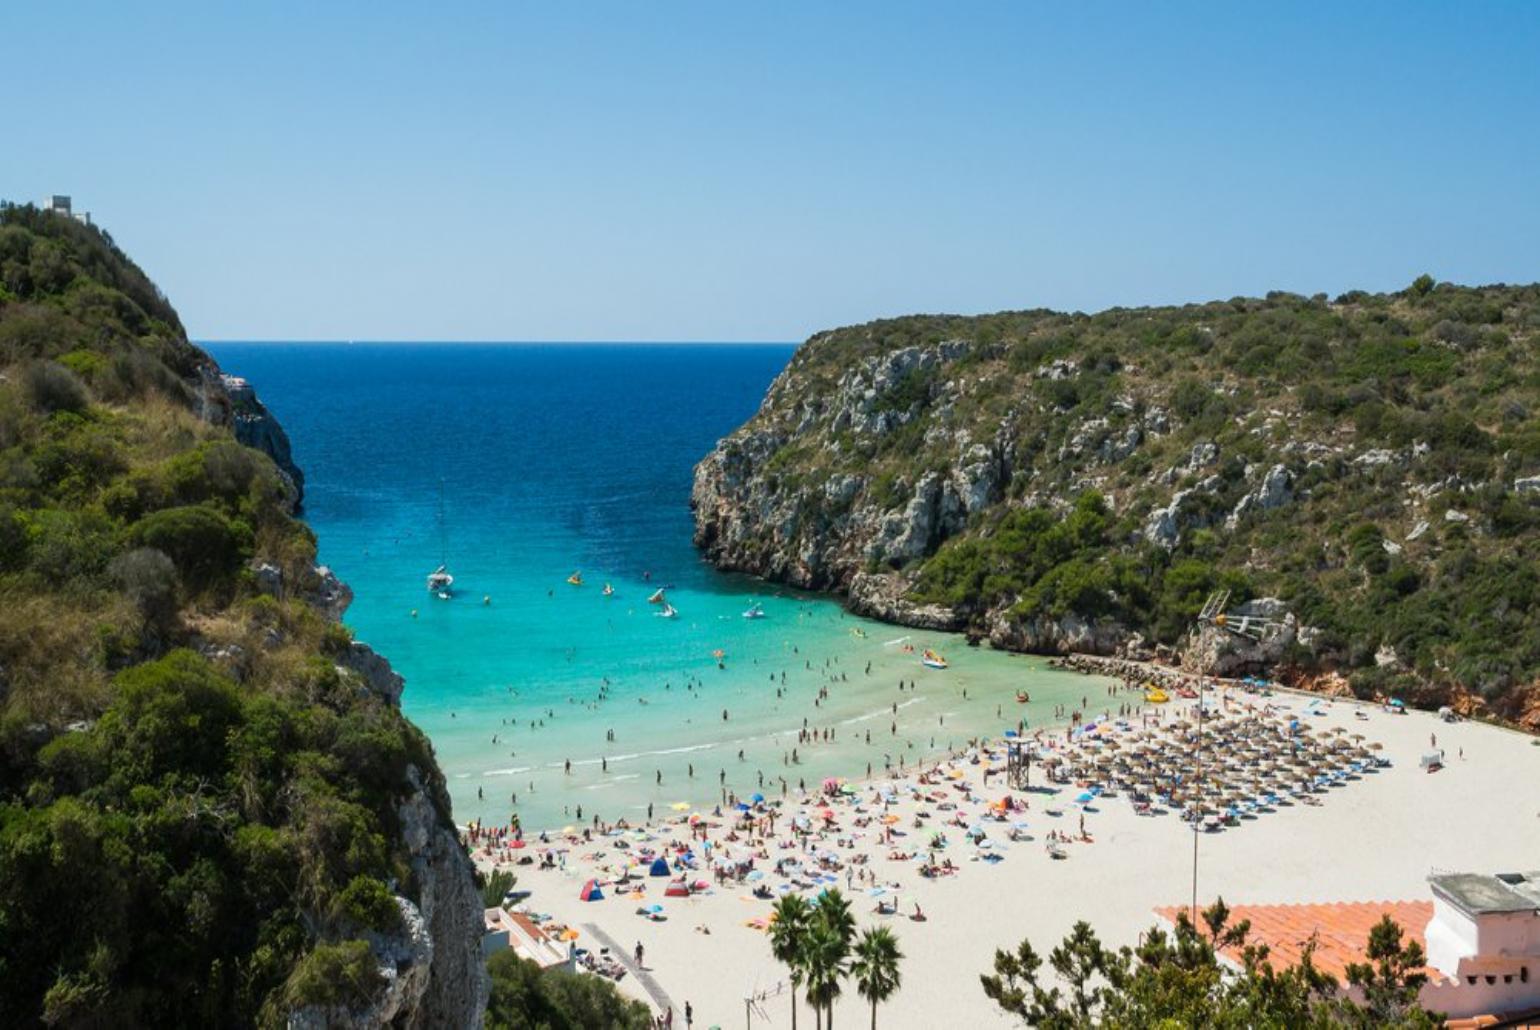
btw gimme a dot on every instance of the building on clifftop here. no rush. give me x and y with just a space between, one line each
60 204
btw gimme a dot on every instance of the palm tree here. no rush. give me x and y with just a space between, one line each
828 946
876 967
833 909
823 956
788 940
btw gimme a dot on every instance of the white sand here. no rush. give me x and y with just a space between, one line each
1376 838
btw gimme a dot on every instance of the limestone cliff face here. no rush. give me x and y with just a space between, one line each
256 427
810 524
924 468
792 497
431 970
849 482
227 400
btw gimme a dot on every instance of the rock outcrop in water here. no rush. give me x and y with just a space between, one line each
1063 482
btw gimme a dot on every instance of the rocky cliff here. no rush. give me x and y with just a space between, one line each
1363 468
431 971
256 427
791 498
212 810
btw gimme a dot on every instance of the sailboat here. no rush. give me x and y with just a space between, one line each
440 582
755 611
576 579
608 591
656 597
668 612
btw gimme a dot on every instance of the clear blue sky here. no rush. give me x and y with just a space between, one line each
683 171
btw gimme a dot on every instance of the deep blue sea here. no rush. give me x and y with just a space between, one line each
552 459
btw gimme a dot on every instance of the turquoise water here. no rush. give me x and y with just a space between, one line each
554 459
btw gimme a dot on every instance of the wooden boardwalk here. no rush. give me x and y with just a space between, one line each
660 999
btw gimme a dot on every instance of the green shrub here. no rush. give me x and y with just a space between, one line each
496 886
368 903
525 996
76 457
65 546
206 545
51 387
148 577
345 974
1191 398
13 538
912 389
174 714
84 363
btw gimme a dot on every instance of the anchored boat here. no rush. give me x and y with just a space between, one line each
440 582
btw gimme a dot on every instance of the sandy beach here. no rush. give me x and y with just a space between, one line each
1373 834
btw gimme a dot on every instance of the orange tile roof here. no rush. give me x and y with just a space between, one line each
1341 930
529 926
1512 1021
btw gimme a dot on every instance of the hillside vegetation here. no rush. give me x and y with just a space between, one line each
201 803
1068 482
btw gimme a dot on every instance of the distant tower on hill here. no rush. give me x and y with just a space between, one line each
60 204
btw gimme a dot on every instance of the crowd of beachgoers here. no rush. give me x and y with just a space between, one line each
1219 762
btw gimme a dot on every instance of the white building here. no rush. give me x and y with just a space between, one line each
1484 938
60 204
514 930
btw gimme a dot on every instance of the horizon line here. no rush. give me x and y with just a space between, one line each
215 341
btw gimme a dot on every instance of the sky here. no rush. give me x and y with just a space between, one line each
693 171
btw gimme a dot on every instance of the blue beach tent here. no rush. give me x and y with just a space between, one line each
659 867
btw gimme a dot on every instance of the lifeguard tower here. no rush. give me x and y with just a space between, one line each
1018 762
